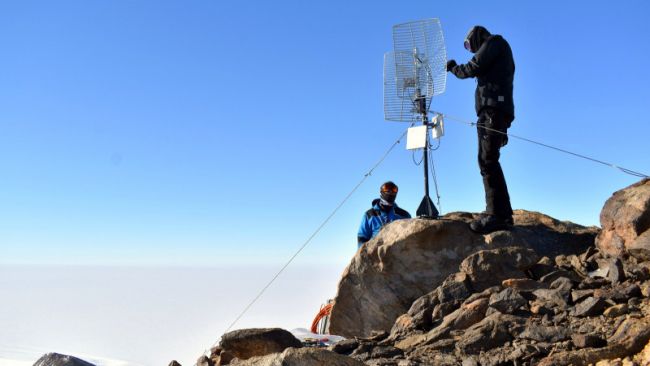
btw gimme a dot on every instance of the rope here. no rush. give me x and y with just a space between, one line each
261 292
323 312
621 169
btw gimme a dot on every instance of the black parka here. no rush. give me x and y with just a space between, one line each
494 68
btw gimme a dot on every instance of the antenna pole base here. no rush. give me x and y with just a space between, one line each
427 210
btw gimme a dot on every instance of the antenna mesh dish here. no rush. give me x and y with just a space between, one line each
415 69
398 104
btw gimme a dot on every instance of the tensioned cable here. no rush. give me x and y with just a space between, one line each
623 170
434 176
261 292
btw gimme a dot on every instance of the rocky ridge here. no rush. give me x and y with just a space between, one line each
545 293
410 257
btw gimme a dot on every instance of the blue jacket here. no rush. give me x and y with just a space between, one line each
375 218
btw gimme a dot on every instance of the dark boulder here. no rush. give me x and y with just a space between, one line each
56 359
588 341
488 268
624 217
247 343
551 298
345 347
590 306
507 301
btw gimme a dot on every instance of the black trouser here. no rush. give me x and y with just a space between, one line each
490 142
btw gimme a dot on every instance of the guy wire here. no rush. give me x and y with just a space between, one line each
261 292
621 169
381 160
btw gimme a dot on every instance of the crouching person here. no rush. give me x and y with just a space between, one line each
384 210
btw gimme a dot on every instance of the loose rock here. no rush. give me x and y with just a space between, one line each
345 346
507 301
489 333
521 284
470 314
551 298
246 343
577 295
549 278
591 306
385 352
613 269
616 311
491 267
588 341
542 333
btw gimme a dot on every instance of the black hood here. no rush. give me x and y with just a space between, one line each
476 36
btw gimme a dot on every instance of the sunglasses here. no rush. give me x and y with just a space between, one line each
389 189
467 45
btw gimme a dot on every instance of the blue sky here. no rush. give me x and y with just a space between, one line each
211 132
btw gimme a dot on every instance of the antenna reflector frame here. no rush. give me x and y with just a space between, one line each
415 71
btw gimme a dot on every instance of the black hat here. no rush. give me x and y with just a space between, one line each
388 192
475 38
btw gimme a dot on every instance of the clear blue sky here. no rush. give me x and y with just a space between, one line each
203 132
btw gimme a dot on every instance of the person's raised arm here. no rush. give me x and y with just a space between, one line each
481 61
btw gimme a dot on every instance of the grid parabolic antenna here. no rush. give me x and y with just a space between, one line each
415 69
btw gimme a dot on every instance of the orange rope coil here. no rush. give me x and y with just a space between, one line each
324 311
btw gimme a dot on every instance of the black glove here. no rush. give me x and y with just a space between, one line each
451 64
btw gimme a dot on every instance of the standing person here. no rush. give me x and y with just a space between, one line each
493 66
384 210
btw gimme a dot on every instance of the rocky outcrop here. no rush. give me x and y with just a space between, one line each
56 359
301 357
562 317
410 257
247 343
625 220
540 294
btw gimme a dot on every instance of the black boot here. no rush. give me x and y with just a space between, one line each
490 223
